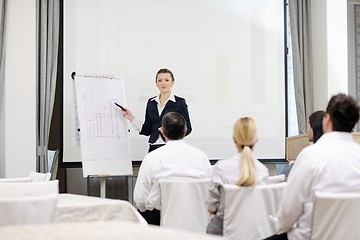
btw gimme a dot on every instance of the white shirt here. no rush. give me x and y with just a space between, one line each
137 124
228 172
331 165
176 159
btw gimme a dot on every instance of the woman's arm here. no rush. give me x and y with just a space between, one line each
136 123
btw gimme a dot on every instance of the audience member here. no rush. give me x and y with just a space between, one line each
242 169
314 126
176 159
314 132
331 165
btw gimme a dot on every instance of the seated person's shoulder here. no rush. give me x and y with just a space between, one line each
223 162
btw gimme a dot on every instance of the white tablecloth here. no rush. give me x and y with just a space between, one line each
79 208
107 230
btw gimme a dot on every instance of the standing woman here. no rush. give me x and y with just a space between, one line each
157 107
243 169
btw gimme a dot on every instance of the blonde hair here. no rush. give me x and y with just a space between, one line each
245 138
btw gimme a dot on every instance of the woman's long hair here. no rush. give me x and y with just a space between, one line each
245 138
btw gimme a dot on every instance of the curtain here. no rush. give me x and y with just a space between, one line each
2 85
357 55
48 19
300 25
2 54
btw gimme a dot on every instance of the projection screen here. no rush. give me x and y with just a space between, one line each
227 57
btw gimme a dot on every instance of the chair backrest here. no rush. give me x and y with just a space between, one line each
12 180
183 204
247 210
27 209
276 179
17 189
336 216
40 177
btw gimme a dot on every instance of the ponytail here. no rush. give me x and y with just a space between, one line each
247 168
245 138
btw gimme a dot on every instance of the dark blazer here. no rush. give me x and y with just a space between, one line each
153 120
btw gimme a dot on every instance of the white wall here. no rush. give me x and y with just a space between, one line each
330 56
19 140
337 56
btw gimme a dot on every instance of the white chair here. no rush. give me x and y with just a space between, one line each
183 204
247 210
33 177
12 180
336 216
17 189
27 209
40 177
276 179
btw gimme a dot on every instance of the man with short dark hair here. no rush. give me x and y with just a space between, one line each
331 165
176 159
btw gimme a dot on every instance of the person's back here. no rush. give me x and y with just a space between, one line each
229 170
243 169
179 159
334 167
176 159
331 165
337 163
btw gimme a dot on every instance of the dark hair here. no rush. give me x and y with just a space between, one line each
174 125
165 70
315 121
316 115
317 128
344 112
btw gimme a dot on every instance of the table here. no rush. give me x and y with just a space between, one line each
80 208
108 230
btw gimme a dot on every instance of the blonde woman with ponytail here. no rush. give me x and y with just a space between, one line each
242 169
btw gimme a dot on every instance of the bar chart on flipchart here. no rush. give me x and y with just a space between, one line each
106 122
103 130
